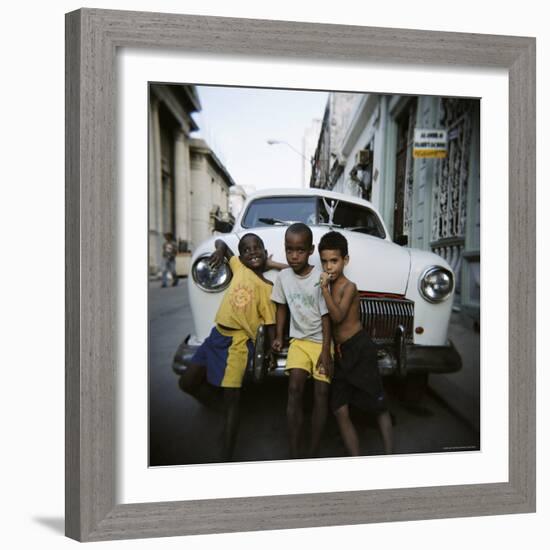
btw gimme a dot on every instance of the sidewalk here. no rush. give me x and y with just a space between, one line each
461 390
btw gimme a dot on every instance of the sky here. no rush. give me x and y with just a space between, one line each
237 122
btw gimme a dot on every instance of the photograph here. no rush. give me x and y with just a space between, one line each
313 274
291 288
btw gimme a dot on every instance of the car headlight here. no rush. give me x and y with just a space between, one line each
211 279
436 284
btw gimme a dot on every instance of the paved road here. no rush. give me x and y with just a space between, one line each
182 431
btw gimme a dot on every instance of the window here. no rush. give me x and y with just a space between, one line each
273 210
312 211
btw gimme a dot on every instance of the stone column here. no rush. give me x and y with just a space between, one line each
201 200
155 186
182 186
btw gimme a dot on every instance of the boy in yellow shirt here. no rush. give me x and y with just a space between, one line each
224 355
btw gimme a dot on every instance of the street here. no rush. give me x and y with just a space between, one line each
183 431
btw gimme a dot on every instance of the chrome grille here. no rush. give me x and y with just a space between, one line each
381 316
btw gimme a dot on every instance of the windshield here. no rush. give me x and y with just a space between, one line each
312 211
274 210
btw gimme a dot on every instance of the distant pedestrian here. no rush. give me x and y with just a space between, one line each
169 250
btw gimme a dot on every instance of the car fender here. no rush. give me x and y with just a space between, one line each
204 305
432 318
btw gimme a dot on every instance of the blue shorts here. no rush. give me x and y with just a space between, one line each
225 354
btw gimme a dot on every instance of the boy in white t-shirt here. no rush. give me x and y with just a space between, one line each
297 289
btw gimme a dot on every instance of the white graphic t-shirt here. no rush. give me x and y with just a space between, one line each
305 302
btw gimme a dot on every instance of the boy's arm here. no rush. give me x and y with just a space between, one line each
222 251
271 332
338 312
280 316
325 359
271 264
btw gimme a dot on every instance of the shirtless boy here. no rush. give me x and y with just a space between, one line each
356 378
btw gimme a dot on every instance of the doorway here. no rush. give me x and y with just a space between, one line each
402 206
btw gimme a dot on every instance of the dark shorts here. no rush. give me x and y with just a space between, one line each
356 379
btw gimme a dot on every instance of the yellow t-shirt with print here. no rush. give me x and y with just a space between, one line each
247 303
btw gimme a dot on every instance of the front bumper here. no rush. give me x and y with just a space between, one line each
399 359
433 359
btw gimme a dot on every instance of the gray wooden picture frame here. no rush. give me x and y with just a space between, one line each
92 39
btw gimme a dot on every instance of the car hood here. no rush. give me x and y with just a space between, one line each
375 264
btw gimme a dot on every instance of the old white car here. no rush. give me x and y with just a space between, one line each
406 294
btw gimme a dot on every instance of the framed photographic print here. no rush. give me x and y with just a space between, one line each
222 176
141 177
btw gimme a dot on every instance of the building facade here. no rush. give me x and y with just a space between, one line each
188 185
338 113
210 185
434 202
309 145
237 198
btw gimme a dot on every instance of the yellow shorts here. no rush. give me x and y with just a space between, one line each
303 355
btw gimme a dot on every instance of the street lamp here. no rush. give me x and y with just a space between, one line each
279 142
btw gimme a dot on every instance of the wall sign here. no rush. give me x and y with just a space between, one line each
430 143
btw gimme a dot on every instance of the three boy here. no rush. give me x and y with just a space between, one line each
322 305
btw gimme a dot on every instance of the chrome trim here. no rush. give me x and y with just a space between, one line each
210 290
427 272
381 317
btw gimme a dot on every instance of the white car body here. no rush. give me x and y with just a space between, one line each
378 267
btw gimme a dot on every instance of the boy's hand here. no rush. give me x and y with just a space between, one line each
270 263
324 364
272 363
216 259
277 344
324 279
